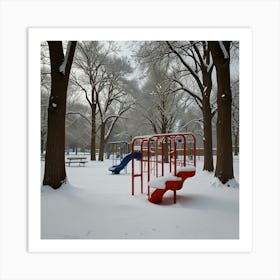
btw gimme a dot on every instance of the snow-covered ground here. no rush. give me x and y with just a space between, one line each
95 204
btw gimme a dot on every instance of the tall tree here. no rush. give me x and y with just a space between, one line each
55 173
195 58
189 61
220 51
45 92
101 75
159 105
90 78
235 115
112 103
78 124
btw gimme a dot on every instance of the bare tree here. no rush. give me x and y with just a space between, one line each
89 77
112 103
99 75
44 116
234 70
220 51
55 173
235 116
78 124
184 61
45 92
196 62
159 105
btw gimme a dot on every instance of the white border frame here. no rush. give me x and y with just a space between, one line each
243 35
262 16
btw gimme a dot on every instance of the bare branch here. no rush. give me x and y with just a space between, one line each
78 113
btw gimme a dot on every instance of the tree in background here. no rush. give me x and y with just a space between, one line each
112 103
187 61
234 62
159 105
45 93
100 75
89 77
55 174
220 51
78 124
195 63
235 115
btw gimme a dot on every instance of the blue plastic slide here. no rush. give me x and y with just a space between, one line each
118 168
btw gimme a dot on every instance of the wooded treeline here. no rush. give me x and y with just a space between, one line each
156 87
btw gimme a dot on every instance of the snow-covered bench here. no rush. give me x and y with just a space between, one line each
79 160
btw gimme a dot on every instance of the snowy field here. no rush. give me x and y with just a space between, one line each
95 204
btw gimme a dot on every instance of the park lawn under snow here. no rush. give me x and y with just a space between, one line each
95 204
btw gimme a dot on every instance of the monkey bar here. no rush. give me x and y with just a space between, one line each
168 158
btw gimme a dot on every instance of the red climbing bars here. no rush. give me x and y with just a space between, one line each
155 149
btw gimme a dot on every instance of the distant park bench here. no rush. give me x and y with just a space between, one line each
79 160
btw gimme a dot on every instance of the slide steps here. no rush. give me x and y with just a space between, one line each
173 183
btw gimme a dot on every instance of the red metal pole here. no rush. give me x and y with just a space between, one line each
175 158
141 165
185 150
156 155
170 155
149 155
194 150
162 158
132 164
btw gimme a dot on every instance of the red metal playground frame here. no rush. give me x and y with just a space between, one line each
166 161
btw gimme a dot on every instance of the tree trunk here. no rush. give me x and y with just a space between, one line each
205 87
93 132
165 144
55 173
165 151
102 142
221 58
207 113
42 145
236 144
207 136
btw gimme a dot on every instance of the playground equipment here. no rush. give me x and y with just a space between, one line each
119 152
118 149
118 168
167 160
121 156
